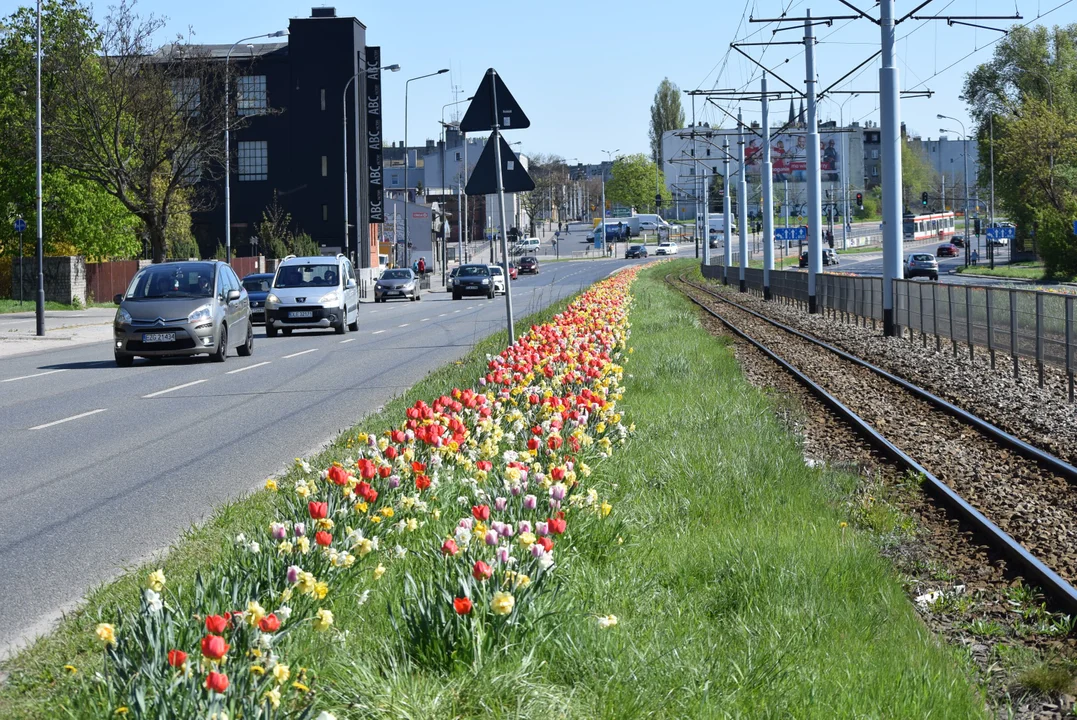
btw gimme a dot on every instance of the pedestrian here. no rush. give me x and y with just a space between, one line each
975 257
422 266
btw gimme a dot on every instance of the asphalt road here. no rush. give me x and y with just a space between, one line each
104 466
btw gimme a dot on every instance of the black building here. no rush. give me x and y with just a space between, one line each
290 138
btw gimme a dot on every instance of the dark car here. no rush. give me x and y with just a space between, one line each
397 283
636 251
946 250
257 286
958 240
829 258
528 264
473 279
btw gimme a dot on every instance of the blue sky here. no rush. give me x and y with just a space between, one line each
585 71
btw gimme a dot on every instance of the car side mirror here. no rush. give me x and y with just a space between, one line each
351 283
233 295
118 299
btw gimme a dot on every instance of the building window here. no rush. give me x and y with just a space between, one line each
691 171
253 160
875 171
458 157
251 95
325 166
396 180
874 154
708 152
186 95
325 212
323 99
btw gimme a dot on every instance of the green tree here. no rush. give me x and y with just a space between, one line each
666 114
277 235
917 176
632 183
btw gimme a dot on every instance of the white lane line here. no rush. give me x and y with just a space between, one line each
348 340
245 369
26 377
404 325
173 389
443 314
301 352
456 311
69 419
424 319
377 332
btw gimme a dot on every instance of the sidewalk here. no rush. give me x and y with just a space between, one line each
63 328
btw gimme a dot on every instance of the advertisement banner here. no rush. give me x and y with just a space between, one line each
375 176
789 157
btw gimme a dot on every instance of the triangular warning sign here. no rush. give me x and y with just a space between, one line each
480 115
514 175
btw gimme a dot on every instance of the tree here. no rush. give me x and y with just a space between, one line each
666 114
632 182
550 173
917 176
277 235
144 124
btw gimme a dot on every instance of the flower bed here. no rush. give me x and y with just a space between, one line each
482 491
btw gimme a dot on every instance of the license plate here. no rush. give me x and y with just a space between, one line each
471 287
300 313
159 337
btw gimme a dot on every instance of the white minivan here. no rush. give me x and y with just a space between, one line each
313 292
531 243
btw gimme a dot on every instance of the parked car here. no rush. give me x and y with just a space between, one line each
514 272
636 251
182 308
257 287
498 278
922 265
829 258
530 244
666 248
528 264
946 250
397 283
473 279
958 241
313 292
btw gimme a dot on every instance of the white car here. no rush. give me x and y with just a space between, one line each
666 248
499 279
313 292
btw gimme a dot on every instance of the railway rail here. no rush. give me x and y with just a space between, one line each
1019 498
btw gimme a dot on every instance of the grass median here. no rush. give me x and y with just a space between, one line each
736 590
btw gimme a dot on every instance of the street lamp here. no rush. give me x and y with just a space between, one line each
227 148
344 103
406 87
844 178
609 155
965 153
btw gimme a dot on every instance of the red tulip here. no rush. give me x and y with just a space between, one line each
217 682
484 465
449 547
481 571
176 658
422 482
418 467
270 623
323 538
481 512
390 452
533 444
462 606
216 624
558 473
557 525
318 510
214 647
385 471
546 543
338 475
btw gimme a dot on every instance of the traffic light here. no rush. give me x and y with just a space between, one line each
976 225
923 198
860 200
658 200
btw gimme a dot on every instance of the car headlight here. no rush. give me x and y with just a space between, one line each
485 281
201 314
409 285
272 301
330 298
122 317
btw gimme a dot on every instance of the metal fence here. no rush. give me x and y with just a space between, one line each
1033 324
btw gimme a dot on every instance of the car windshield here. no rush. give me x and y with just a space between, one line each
527 260
312 275
637 248
475 270
396 275
495 270
173 280
257 284
923 257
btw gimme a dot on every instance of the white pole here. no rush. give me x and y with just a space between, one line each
344 103
815 208
742 205
768 196
467 229
844 185
890 132
706 221
504 232
40 225
727 215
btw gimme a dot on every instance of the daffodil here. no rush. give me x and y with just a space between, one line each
324 620
502 603
273 697
271 485
106 633
379 571
281 673
156 580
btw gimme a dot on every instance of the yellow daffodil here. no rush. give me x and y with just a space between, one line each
71 669
379 571
306 583
324 620
300 687
606 508
502 603
273 696
255 613
364 546
156 580
325 524
375 518
321 589
387 511
271 485
303 544
258 670
527 539
281 673
106 633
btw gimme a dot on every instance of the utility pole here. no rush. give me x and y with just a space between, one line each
815 210
768 194
40 224
890 134
742 205
706 221
991 209
727 216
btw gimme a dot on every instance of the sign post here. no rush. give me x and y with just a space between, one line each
498 169
20 228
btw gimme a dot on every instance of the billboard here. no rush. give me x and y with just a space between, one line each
789 157
375 192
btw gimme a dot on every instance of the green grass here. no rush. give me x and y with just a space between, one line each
738 593
13 306
1033 270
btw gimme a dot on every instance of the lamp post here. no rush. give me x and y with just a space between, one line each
227 146
609 155
40 310
445 226
344 104
406 88
844 179
965 153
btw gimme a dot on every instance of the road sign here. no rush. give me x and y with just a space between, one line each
483 180
557 234
20 225
1075 227
1002 232
480 113
791 234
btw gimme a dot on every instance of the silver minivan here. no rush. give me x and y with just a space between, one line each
182 308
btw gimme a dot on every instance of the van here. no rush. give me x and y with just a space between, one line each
313 292
531 243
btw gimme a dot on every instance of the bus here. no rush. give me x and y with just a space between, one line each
936 226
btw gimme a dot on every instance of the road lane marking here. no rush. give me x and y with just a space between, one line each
301 352
424 319
404 325
178 387
377 332
69 419
442 314
249 367
348 341
456 311
27 377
